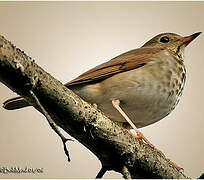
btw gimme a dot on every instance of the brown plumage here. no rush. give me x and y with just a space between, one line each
130 60
148 81
140 87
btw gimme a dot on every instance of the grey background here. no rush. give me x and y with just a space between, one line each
68 38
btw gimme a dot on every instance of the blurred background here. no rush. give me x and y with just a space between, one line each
68 38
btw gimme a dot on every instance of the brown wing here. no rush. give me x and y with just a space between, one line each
130 60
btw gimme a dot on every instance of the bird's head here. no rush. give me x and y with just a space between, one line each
171 41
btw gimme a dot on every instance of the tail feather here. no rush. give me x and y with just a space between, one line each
15 103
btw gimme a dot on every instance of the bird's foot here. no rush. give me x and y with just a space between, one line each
180 169
116 105
141 137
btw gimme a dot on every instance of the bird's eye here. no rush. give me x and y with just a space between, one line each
164 39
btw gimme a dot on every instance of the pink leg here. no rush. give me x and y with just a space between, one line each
116 105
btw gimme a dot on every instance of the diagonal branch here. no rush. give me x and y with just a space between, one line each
52 124
101 173
114 146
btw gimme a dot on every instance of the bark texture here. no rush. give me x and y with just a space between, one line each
114 146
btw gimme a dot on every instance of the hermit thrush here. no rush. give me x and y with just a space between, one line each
140 87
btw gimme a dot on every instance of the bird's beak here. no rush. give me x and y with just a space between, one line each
186 40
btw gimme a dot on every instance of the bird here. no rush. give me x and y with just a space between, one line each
137 88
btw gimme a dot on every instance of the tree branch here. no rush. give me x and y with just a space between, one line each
114 146
52 124
101 173
126 173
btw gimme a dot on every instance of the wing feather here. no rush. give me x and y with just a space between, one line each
130 60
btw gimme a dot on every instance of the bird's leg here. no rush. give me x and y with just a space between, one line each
116 105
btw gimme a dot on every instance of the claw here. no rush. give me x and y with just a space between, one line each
116 105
